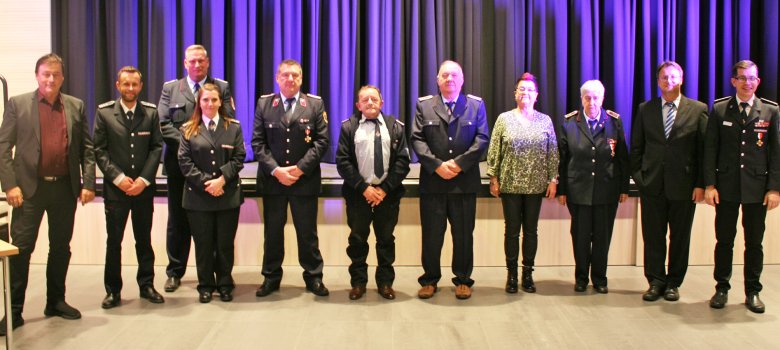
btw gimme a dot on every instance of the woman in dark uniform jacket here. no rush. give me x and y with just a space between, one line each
211 153
593 179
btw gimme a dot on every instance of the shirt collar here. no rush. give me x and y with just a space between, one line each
676 101
296 96
43 99
749 102
125 108
381 120
598 116
206 120
444 100
191 82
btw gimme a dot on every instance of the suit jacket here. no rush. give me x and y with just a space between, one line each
204 157
594 166
743 162
125 147
177 103
21 128
438 137
303 143
670 167
346 158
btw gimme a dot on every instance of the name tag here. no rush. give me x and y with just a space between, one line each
144 133
727 123
228 146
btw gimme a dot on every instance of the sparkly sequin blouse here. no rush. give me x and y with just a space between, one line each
523 153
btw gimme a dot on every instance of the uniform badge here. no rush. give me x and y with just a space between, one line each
303 120
760 136
612 144
276 102
325 117
761 124
303 102
307 138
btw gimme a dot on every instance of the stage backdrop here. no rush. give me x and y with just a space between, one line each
398 45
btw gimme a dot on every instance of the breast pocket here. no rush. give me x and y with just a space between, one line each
178 115
272 131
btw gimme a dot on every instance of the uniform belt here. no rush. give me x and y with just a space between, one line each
52 178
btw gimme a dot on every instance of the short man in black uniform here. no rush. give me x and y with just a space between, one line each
667 148
177 102
128 144
450 135
742 167
373 159
289 139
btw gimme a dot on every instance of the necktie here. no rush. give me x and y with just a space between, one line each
450 107
379 167
130 115
212 126
592 125
288 110
196 88
743 114
669 121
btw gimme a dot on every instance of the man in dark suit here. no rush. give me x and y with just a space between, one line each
667 146
53 156
449 135
373 159
128 144
177 102
290 137
742 168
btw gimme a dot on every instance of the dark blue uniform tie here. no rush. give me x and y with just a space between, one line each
379 167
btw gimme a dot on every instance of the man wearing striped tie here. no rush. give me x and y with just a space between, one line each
667 143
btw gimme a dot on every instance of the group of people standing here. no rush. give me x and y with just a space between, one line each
680 154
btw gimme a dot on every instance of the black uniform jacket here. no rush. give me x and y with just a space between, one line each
672 167
743 163
177 103
594 169
204 157
125 147
303 143
346 158
437 137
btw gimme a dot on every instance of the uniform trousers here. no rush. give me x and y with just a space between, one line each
521 211
436 209
753 222
360 217
591 234
56 199
140 211
658 213
179 235
304 215
214 234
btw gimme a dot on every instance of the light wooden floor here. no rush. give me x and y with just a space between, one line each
555 317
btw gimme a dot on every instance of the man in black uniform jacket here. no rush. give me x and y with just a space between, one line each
742 167
128 144
289 139
177 102
373 159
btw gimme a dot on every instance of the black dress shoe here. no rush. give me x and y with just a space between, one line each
62 309
580 288
204 297
266 288
755 304
226 294
387 292
672 294
719 300
110 301
511 284
652 293
357 292
317 288
149 293
18 321
172 284
601 289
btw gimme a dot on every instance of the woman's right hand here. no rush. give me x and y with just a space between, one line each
494 187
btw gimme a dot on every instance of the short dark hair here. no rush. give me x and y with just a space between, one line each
129 69
289 62
744 64
665 64
368 87
527 77
49 58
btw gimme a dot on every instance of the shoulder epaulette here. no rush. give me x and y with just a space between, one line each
613 114
474 97
773 103
314 96
107 104
571 114
149 104
424 98
344 121
170 81
400 122
233 120
221 80
267 96
725 98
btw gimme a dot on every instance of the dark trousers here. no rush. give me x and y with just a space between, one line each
591 233
304 215
658 213
214 234
141 211
56 199
360 216
179 234
753 222
435 210
520 211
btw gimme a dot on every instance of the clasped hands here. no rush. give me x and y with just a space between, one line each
288 175
374 195
449 169
132 187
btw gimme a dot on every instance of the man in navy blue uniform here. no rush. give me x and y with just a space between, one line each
450 135
742 168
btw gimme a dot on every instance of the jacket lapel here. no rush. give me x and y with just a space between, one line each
583 125
204 130
34 118
184 89
441 109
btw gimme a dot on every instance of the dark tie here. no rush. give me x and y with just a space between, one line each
743 114
212 126
592 125
379 167
288 110
196 88
450 107
669 121
130 115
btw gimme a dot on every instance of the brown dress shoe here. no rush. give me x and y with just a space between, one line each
462 292
426 292
387 292
357 292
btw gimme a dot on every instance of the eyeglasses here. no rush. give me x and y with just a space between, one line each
743 79
522 89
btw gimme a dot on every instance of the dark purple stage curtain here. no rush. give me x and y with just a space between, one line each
398 45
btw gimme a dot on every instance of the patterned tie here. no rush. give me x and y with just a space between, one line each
450 107
669 121
743 114
196 88
379 167
212 126
130 115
